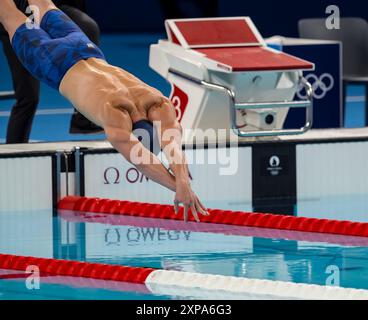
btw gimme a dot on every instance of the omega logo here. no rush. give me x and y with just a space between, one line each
113 175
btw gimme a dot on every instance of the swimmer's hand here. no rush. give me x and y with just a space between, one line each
186 196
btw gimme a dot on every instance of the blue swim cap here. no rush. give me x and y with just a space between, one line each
147 134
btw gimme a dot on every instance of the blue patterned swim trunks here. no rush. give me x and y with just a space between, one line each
51 50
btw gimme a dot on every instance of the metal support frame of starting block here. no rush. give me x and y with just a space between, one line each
234 106
224 55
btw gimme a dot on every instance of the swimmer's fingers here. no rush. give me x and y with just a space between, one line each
176 207
194 212
201 208
186 210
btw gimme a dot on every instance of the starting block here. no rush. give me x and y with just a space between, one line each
224 76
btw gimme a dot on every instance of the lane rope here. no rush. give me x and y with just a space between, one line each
179 283
236 218
76 268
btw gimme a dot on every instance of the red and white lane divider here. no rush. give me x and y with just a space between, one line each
186 284
236 218
71 268
198 285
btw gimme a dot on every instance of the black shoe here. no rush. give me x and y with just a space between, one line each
81 125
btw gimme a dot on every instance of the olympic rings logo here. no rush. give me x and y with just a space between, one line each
321 85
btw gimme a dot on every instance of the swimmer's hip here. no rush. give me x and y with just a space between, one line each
48 57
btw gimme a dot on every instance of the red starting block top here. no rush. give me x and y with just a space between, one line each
213 32
255 59
234 43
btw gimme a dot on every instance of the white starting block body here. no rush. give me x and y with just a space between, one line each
223 76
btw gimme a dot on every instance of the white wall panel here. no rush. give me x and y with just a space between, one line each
332 169
332 181
222 180
122 182
353 208
25 183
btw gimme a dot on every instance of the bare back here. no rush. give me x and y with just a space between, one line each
93 85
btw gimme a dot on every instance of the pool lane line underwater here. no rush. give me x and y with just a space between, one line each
179 283
228 217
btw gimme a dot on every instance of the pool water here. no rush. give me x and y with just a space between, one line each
203 248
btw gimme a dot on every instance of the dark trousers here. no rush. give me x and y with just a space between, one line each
27 88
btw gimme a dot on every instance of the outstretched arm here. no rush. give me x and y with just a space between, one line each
118 130
164 118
